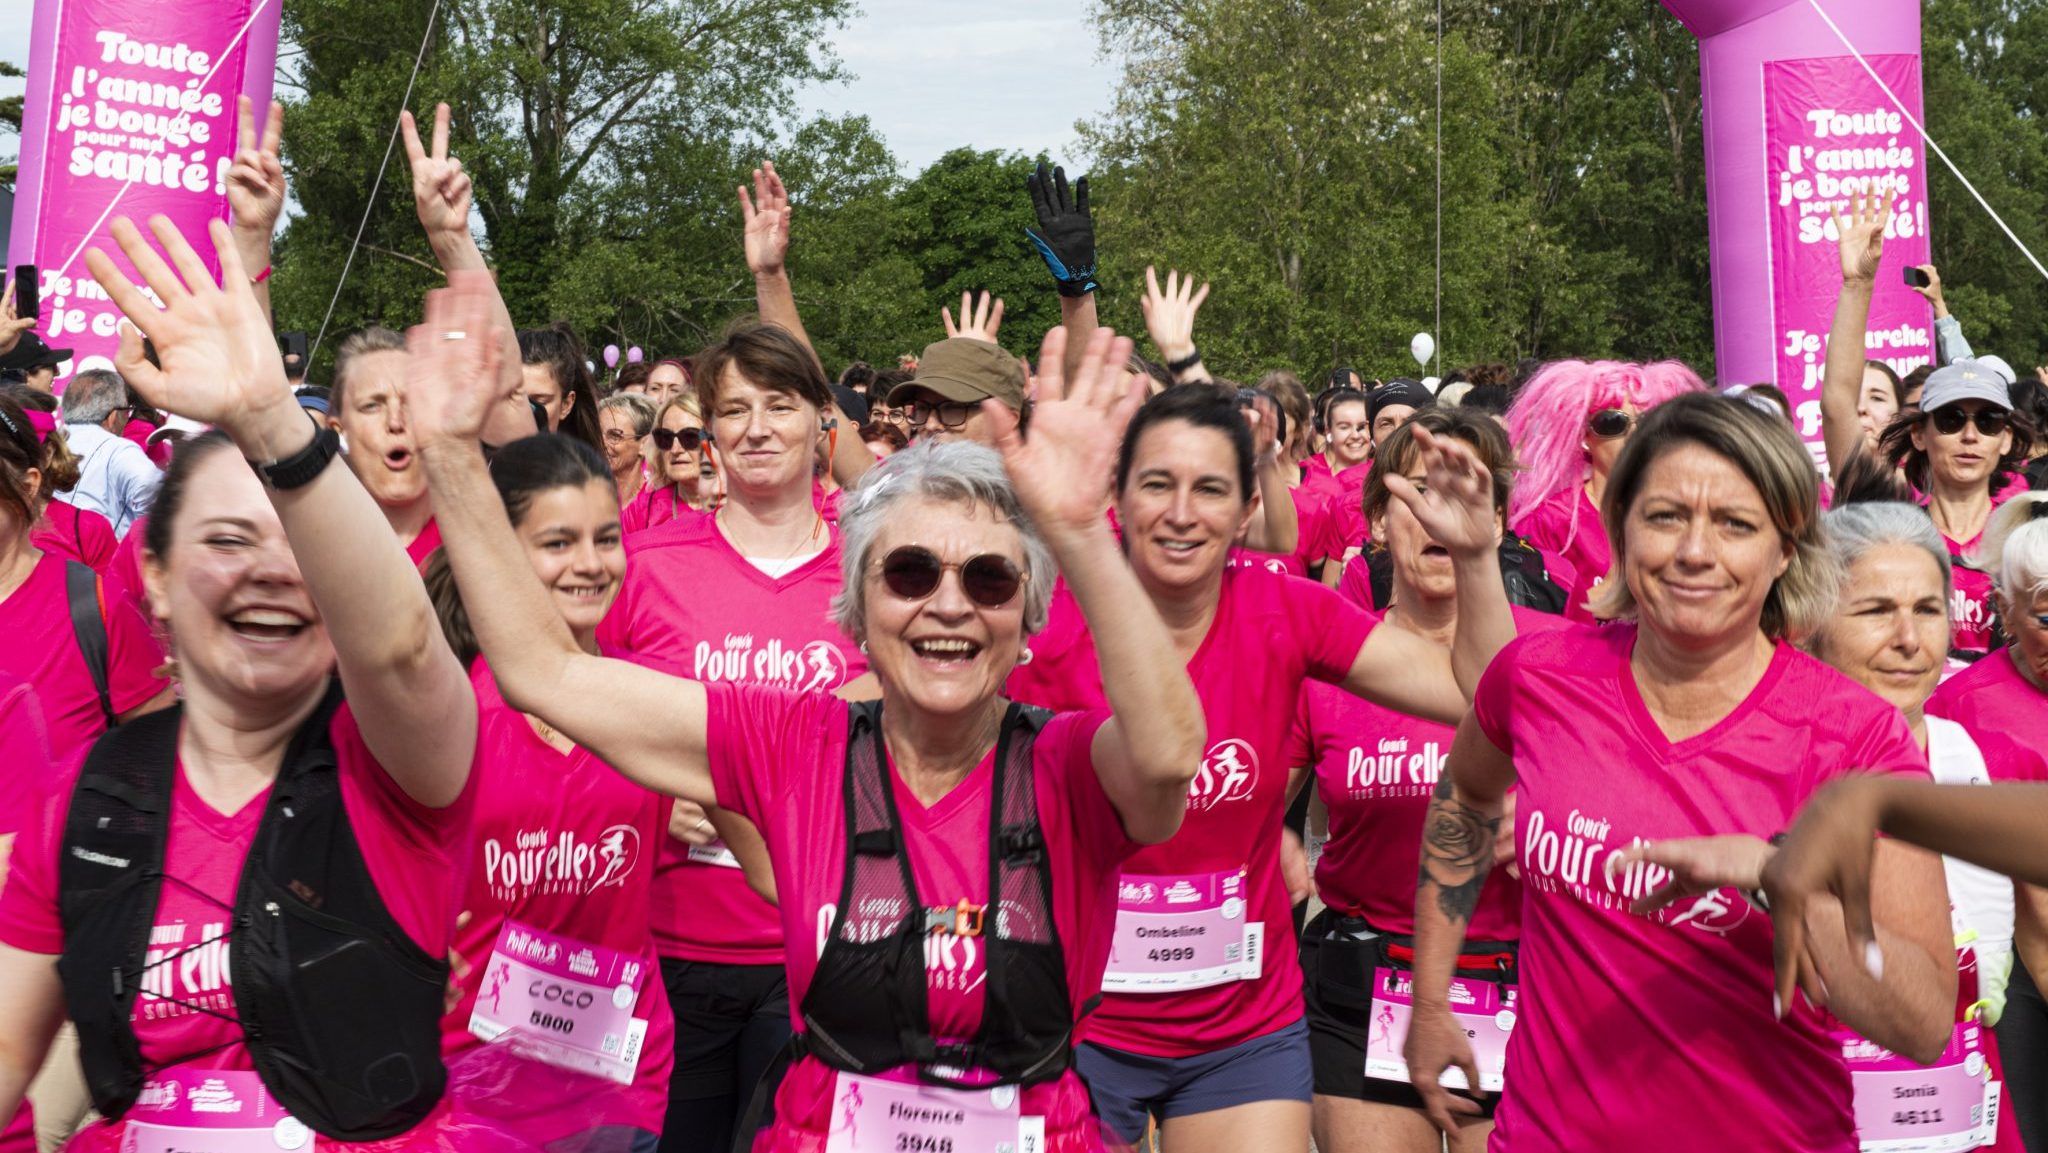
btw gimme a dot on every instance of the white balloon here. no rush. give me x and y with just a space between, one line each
1422 348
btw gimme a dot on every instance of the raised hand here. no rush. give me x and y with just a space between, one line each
1932 289
11 326
1697 866
440 188
454 383
766 215
1065 236
1063 467
1455 504
220 362
1265 424
979 320
1860 235
1170 314
256 179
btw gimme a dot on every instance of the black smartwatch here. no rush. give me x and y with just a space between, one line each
1176 367
304 466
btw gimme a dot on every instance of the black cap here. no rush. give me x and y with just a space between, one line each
31 353
851 403
1412 393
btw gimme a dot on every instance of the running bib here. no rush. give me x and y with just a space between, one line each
1176 933
216 1112
877 1116
566 1003
714 853
1902 1107
1485 1011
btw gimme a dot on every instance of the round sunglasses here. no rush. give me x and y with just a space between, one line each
691 439
1610 423
1949 420
913 573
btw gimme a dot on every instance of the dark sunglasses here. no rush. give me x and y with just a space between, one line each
691 439
913 573
1949 420
952 415
1609 423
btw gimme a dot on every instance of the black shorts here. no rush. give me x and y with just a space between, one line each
1336 989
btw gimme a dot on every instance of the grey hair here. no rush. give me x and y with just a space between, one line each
960 472
93 395
1855 529
2015 548
638 409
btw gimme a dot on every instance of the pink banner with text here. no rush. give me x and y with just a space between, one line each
130 111
1830 133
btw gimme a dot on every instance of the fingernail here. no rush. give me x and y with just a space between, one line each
1873 960
1777 1007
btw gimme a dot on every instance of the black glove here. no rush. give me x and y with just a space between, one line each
1066 233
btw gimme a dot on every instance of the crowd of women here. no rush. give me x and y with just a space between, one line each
949 760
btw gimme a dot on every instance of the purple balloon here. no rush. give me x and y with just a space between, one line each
634 355
611 356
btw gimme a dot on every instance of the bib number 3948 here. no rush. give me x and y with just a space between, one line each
1182 932
220 1111
1486 1012
871 1115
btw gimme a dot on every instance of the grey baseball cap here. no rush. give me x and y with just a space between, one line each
1965 380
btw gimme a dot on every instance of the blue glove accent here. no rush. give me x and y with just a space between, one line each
1052 260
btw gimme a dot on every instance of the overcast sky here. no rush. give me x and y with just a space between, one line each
931 74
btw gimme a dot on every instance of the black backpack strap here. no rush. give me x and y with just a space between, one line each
89 625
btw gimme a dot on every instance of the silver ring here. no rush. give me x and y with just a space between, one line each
455 335
700 826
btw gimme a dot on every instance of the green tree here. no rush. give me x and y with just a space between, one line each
10 120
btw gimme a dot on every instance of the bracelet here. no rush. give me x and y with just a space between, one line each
1193 358
262 276
1756 896
304 466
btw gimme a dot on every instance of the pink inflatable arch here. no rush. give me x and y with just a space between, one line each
1795 123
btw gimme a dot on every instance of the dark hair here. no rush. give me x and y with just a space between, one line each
19 452
630 375
1914 381
1898 448
885 383
28 398
1200 406
1525 370
522 470
1865 478
1491 398
1886 371
170 495
1492 373
2030 397
885 432
1396 453
1139 366
859 376
1337 396
767 355
1775 395
557 347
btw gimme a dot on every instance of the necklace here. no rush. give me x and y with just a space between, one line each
817 522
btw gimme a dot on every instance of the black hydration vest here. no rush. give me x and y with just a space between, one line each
866 1010
340 1009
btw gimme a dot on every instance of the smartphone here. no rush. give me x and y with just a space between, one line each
1916 278
27 291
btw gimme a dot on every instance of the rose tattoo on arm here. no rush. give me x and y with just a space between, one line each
1457 852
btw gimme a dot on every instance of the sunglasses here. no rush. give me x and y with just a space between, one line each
1610 423
1949 420
913 573
691 439
951 415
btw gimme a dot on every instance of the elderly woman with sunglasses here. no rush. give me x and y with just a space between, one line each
681 448
893 827
1569 425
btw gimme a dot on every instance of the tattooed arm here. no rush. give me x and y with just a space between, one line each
1458 837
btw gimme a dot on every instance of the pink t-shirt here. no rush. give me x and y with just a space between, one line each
1342 496
2004 714
26 753
42 649
653 508
423 545
779 758
1375 770
693 606
123 585
1660 1027
562 844
1970 605
411 851
79 534
1317 535
1567 528
1269 635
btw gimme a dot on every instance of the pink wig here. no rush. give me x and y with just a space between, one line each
1547 422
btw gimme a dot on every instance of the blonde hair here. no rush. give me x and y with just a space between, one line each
640 411
1769 455
682 400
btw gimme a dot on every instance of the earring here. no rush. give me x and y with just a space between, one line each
1025 659
863 648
